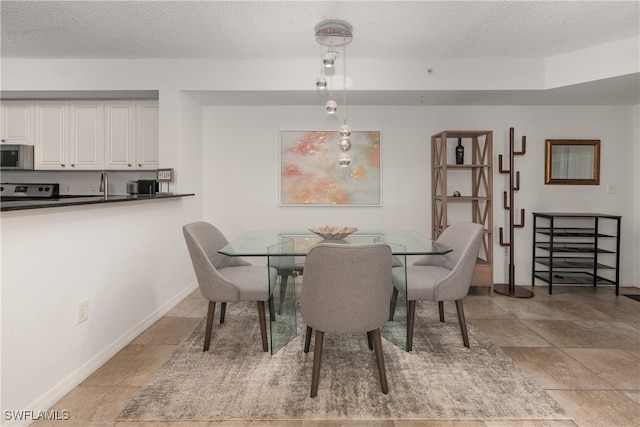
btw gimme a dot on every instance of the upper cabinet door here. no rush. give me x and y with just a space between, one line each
86 138
51 136
120 134
147 141
17 122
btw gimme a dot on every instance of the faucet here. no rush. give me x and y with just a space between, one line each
104 184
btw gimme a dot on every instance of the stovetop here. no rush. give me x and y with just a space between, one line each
12 191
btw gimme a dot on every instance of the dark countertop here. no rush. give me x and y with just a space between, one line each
19 205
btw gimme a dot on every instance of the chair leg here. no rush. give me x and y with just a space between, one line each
283 290
370 340
392 306
207 331
307 338
463 323
263 325
317 356
380 360
441 310
223 311
411 318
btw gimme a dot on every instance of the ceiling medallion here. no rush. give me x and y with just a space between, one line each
334 32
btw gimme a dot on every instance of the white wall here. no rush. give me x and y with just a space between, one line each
241 150
593 63
114 255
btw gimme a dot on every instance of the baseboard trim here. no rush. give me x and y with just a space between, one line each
71 381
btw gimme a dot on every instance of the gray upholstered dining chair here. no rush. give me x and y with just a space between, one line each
223 278
442 277
346 290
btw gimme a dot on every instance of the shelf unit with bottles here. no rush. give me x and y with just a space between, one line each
473 180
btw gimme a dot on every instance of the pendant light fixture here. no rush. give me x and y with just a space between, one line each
333 34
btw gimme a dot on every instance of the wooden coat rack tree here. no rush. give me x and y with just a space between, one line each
510 289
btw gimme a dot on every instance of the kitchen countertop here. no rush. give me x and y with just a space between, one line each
18 205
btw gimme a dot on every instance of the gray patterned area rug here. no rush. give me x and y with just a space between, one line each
439 380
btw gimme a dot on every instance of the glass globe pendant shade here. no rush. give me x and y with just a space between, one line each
329 59
321 82
344 160
331 106
345 143
345 130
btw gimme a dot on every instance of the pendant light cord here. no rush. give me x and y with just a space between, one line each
344 81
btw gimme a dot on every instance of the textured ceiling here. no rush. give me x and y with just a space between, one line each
284 29
382 30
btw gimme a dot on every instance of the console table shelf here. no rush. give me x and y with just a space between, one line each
576 249
573 247
571 262
575 278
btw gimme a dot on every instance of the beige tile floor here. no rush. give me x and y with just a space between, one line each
581 344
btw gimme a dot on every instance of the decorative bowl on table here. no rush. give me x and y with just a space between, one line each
333 232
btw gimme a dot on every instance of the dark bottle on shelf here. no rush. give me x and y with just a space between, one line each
459 153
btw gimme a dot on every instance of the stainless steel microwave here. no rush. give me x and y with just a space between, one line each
16 157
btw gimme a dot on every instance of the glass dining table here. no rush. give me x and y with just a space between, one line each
286 250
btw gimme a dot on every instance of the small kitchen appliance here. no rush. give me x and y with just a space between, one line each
132 187
142 186
147 186
16 157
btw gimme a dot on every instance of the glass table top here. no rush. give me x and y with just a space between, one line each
298 242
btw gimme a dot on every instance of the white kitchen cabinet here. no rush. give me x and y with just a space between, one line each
95 134
17 122
86 135
51 135
147 137
131 135
69 135
120 134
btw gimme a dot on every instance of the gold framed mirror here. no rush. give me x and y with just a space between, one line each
572 161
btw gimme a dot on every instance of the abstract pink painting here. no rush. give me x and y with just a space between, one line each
311 175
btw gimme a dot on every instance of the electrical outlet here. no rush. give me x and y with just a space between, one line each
83 311
67 189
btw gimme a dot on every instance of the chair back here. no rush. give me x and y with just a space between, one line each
204 241
459 237
464 238
347 288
